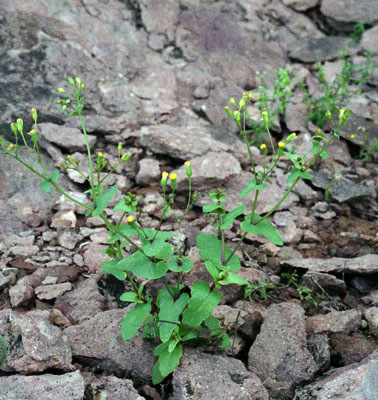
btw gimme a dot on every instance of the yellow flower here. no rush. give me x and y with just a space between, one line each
281 145
100 155
263 146
264 113
130 219
173 177
164 175
187 163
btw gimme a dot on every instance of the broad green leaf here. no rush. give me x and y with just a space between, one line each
142 266
54 175
131 297
160 235
208 208
158 249
170 311
111 267
166 363
150 329
103 200
134 320
45 186
233 278
252 185
296 173
212 323
180 264
225 341
201 304
211 249
229 218
263 228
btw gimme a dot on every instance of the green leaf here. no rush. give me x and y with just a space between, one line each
225 341
111 267
171 311
180 264
229 218
45 186
212 323
3 350
131 297
212 270
263 228
161 235
211 249
142 266
201 304
54 175
166 363
103 200
134 320
208 208
296 173
252 185
122 206
233 278
158 249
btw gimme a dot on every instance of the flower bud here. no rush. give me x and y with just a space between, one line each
188 169
232 101
173 178
13 127
328 115
78 81
34 114
228 111
20 125
70 160
64 165
265 116
291 137
71 81
281 145
263 146
119 147
61 90
164 177
125 157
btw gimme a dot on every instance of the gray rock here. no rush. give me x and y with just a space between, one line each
35 344
279 355
367 264
64 219
48 292
287 227
319 346
68 386
209 171
82 303
301 5
334 322
93 256
149 171
111 387
107 350
321 49
329 283
371 315
369 40
207 376
70 139
356 381
68 239
350 12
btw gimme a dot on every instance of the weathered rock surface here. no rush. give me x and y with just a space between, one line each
206 376
279 355
335 321
107 350
68 386
34 343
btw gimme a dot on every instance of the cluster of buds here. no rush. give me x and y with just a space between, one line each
241 107
173 180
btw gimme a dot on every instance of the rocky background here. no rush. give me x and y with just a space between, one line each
158 75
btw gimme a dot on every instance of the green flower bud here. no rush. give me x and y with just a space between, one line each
71 81
13 127
265 116
64 165
188 169
164 177
78 81
61 90
70 160
232 101
34 114
125 157
228 111
119 147
20 125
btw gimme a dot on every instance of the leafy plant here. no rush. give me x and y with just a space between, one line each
178 314
368 148
357 31
336 93
3 350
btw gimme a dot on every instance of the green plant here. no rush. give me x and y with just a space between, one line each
357 31
137 254
274 101
335 177
367 149
3 350
337 92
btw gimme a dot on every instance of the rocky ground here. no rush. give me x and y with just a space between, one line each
158 75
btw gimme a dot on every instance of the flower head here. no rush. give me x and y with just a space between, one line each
263 146
130 219
173 176
281 145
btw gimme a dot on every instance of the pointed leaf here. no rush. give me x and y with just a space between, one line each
201 304
134 320
229 218
263 228
111 267
103 200
170 311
